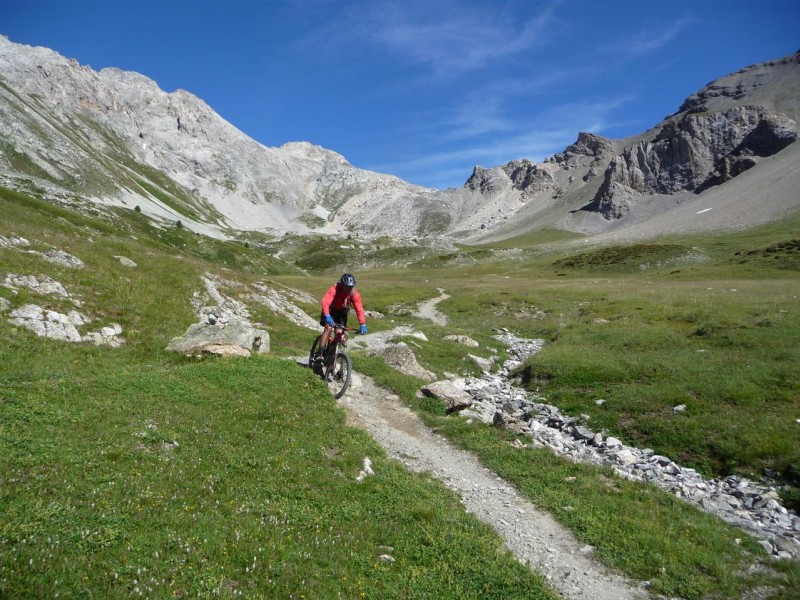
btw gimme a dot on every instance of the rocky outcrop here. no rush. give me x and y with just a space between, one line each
488 181
773 83
521 175
528 177
587 145
461 339
691 153
64 327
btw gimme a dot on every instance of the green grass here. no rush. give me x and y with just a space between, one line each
206 479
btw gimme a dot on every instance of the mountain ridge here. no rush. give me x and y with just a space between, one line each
113 137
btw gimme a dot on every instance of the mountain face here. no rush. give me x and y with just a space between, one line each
720 132
113 138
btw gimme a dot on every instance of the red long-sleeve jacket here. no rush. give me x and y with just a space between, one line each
337 298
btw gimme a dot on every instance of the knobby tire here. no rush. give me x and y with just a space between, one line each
338 374
311 354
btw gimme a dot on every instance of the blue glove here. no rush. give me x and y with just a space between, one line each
363 330
329 320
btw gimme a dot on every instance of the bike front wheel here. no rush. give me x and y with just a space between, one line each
338 374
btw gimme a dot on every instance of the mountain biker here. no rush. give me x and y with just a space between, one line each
336 304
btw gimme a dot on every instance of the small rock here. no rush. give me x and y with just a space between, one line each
127 262
461 339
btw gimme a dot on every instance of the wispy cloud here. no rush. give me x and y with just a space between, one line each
453 37
648 42
496 139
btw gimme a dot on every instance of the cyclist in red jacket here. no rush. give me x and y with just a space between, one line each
336 304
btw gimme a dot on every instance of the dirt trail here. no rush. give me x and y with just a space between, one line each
427 309
532 535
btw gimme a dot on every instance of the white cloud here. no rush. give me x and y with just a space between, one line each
453 148
648 42
453 37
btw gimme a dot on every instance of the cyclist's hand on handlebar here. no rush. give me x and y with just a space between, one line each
363 329
329 320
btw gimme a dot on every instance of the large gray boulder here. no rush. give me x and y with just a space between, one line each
237 332
453 398
401 357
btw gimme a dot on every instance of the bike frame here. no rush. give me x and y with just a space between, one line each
337 337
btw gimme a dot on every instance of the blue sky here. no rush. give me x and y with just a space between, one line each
421 89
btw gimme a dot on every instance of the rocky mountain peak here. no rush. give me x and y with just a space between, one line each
591 145
774 84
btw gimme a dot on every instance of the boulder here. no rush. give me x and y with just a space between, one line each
226 350
454 398
235 332
401 357
485 364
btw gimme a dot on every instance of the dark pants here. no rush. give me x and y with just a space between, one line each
338 316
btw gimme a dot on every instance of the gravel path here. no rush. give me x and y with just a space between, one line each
427 309
532 535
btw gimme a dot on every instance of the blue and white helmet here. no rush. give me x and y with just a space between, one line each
348 280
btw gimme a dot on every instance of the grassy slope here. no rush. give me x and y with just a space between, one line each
87 433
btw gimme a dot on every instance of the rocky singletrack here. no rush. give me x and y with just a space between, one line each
532 535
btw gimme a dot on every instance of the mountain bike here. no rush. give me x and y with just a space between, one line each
336 367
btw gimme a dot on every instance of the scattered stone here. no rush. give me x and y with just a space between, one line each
4 305
10 242
126 262
366 471
42 285
107 336
279 302
679 409
461 339
743 503
62 258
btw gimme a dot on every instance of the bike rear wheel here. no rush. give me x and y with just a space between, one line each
314 348
338 374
